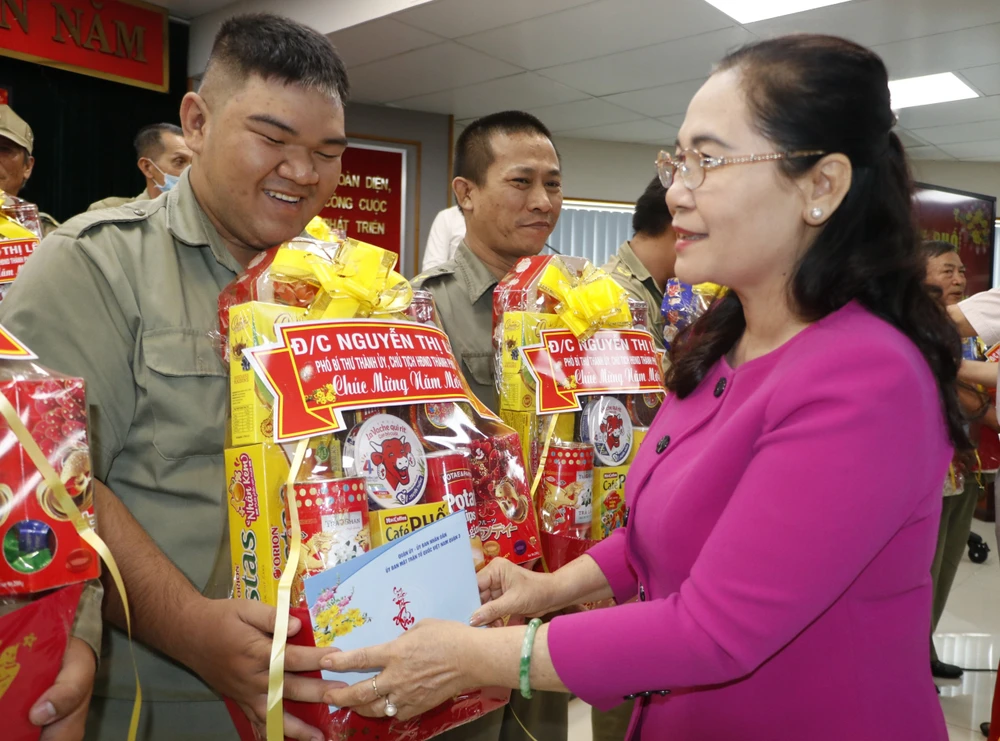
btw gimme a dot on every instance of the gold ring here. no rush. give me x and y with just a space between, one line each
375 687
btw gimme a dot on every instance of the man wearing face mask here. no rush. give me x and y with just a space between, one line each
163 155
509 187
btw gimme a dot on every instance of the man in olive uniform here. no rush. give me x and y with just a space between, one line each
162 156
509 187
644 263
17 141
127 299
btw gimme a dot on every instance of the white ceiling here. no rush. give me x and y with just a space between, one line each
624 70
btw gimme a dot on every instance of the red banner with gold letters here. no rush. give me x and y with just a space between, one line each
120 40
612 361
319 368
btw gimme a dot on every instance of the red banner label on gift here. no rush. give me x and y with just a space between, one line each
13 255
612 361
319 369
12 348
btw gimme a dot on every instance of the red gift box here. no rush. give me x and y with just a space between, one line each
32 643
41 547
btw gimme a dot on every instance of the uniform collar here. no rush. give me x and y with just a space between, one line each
188 223
473 272
635 265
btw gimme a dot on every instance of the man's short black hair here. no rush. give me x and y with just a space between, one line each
473 150
149 140
652 217
277 48
932 248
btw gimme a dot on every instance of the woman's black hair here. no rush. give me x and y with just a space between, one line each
811 92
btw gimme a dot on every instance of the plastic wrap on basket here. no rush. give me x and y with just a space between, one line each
46 559
332 355
579 378
683 304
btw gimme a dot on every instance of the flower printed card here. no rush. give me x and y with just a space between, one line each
380 595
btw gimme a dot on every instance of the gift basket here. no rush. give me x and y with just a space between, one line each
579 378
20 232
352 426
683 304
49 545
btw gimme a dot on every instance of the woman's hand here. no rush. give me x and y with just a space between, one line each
509 590
429 664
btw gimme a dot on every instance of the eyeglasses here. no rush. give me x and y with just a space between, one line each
692 164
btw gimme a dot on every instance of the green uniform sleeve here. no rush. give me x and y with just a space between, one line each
69 310
87 624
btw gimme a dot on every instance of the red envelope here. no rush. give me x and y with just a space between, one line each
32 643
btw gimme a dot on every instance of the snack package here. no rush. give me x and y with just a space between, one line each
683 304
20 233
578 374
335 360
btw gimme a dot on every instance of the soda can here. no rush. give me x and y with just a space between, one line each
567 506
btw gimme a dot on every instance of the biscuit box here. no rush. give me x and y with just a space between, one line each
258 527
41 547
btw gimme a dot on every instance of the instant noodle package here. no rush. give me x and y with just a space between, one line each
579 378
349 411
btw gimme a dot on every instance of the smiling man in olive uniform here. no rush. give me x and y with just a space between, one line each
509 187
127 299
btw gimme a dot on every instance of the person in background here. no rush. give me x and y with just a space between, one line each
127 298
644 263
962 489
447 232
825 358
979 316
163 155
509 188
17 141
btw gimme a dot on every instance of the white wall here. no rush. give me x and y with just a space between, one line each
977 177
606 171
614 171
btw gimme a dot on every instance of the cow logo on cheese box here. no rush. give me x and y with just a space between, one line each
606 424
386 451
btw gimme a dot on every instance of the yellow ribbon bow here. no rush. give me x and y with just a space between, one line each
356 278
588 302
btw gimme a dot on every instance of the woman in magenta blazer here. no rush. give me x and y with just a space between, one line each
784 506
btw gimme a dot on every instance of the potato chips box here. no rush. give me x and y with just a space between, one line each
251 325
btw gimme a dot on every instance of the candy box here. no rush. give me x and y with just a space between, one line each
609 501
41 547
520 328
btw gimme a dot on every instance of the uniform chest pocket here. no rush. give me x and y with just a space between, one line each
478 366
187 391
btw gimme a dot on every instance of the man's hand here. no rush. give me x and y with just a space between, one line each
230 648
62 709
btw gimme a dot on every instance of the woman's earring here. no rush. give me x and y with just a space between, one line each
816 213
